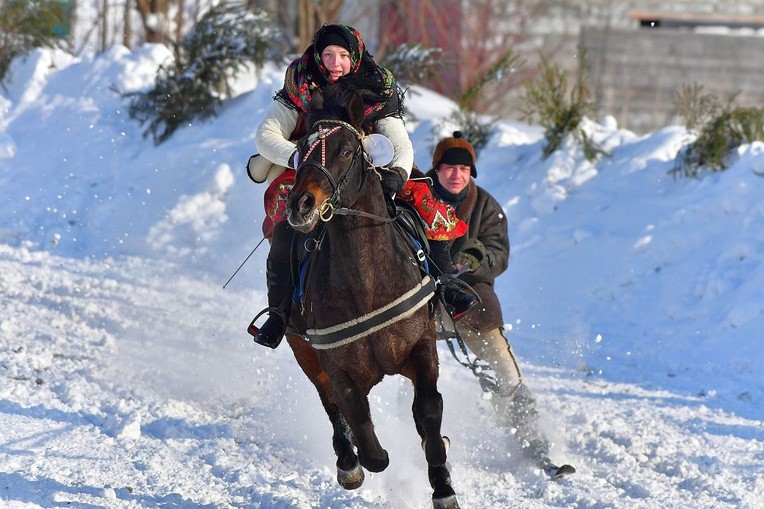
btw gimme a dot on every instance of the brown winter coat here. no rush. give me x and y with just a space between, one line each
487 222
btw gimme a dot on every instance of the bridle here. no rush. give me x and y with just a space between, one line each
327 207
331 206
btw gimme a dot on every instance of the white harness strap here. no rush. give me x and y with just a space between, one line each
402 307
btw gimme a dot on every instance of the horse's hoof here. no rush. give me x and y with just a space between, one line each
445 503
351 479
375 465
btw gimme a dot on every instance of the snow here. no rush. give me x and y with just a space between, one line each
634 300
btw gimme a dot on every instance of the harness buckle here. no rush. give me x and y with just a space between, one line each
326 211
420 255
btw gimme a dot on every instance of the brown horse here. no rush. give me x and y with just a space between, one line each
365 303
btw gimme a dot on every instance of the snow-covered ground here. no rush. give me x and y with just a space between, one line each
635 301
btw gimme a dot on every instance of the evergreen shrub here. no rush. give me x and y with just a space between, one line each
26 25
477 128
221 44
559 108
719 128
412 63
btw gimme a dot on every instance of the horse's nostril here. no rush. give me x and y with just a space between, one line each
306 202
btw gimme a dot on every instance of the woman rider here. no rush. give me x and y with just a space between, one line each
337 52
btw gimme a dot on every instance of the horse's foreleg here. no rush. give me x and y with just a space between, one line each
355 407
349 474
427 408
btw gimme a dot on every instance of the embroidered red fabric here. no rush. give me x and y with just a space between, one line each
275 201
439 217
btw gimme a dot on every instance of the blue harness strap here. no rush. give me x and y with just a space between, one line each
299 288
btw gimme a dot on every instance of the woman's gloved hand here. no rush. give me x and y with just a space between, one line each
392 179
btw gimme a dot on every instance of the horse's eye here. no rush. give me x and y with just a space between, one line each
347 153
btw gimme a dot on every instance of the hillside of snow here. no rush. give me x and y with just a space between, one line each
634 300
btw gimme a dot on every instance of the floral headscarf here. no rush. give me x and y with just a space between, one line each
349 35
308 73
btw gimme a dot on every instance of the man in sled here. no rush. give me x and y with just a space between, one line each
484 254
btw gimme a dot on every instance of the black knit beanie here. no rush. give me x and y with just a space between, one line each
332 34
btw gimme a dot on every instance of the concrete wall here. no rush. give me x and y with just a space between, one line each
642 69
635 75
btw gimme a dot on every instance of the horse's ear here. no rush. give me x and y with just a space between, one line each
317 100
355 109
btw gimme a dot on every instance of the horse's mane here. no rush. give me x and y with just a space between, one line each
361 85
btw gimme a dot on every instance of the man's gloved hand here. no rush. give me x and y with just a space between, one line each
471 255
392 179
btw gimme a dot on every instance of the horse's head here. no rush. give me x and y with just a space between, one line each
330 157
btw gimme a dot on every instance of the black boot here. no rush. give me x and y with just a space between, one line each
457 299
279 280
279 302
